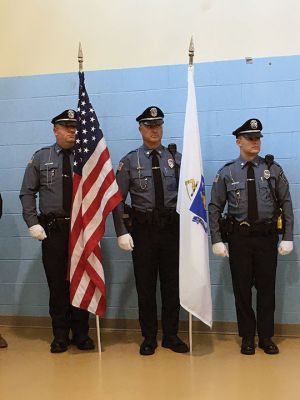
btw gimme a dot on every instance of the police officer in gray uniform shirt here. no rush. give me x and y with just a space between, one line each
150 175
256 191
49 173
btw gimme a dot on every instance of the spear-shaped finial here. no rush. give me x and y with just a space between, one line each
80 58
191 52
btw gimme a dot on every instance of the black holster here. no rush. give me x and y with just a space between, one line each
226 223
127 217
49 222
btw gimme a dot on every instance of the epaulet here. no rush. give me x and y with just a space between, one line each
276 163
132 151
128 155
226 164
43 148
35 153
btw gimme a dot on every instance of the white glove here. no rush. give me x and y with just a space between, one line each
125 242
285 247
37 232
219 249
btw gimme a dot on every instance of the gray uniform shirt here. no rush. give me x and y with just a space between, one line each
134 176
230 186
43 175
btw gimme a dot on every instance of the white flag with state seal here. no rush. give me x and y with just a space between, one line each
194 275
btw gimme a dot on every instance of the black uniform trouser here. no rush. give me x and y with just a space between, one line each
253 262
64 315
156 252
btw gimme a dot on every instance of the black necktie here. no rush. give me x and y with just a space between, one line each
252 200
158 185
67 182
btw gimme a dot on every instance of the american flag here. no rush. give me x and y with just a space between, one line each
95 195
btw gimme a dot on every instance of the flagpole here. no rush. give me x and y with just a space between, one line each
98 334
191 62
80 61
80 58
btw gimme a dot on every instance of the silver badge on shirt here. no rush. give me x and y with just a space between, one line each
171 162
267 174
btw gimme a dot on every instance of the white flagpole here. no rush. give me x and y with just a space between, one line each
98 334
191 332
191 62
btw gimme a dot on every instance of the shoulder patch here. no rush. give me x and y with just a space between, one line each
120 166
216 179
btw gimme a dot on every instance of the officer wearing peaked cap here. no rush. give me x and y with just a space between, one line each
255 190
49 173
150 229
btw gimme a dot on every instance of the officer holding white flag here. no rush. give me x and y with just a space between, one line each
150 229
259 208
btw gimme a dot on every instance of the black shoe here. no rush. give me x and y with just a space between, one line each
3 343
175 344
59 346
85 344
148 347
248 346
268 346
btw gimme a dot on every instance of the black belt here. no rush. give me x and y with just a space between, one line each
264 228
51 222
153 216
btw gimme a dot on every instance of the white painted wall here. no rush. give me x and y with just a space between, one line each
41 36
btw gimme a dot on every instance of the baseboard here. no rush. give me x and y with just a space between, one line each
222 327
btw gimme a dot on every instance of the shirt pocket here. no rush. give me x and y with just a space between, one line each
48 173
264 191
236 194
141 181
170 179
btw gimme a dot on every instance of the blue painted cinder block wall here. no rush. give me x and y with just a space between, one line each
228 93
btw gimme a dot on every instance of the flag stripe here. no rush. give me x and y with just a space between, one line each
95 194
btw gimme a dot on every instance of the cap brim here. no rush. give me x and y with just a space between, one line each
252 135
152 122
66 123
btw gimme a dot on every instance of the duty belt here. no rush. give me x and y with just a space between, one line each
263 228
161 217
51 222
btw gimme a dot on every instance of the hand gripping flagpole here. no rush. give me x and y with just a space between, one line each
191 61
80 61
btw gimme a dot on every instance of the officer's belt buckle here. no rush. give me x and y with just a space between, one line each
244 224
